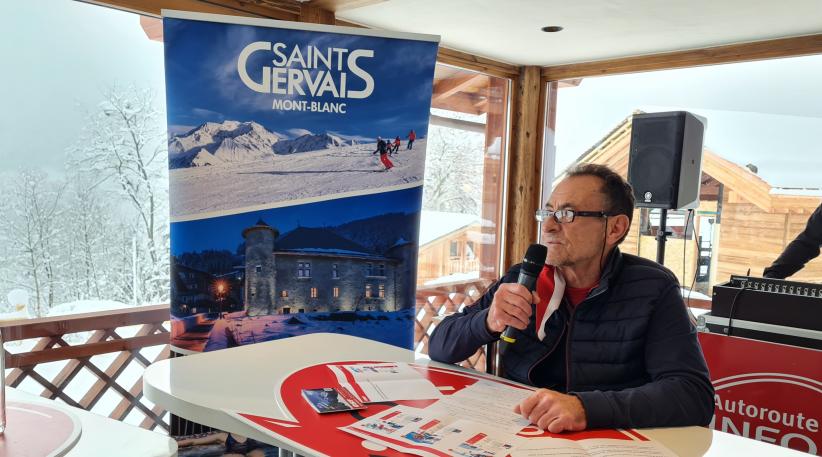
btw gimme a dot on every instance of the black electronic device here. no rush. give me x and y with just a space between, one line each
665 159
775 310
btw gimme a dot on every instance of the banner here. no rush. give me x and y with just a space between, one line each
296 156
766 391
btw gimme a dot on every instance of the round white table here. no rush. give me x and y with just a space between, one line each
203 387
101 436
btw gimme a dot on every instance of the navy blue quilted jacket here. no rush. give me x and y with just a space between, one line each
631 351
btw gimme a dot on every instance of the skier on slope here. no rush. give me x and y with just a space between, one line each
382 148
396 147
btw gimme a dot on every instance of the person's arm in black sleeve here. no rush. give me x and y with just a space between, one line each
680 392
459 335
800 251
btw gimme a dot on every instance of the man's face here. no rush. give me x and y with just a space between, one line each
579 242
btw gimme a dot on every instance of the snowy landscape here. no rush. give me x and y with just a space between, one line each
233 166
237 329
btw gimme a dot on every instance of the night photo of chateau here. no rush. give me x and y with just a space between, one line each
344 266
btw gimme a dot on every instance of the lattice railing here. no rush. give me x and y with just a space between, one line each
93 361
433 303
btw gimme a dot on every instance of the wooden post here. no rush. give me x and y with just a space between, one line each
525 165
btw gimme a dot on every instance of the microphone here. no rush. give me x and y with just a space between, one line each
529 270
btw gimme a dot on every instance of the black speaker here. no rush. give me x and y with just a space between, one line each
665 162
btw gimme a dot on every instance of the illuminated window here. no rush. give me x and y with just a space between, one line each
313 292
368 291
284 294
382 291
336 292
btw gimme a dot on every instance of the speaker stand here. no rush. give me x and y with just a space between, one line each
661 236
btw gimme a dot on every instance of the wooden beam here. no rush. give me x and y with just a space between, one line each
476 63
525 166
770 49
462 102
60 325
229 7
315 15
447 87
84 350
343 5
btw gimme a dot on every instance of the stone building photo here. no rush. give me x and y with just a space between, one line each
317 270
338 266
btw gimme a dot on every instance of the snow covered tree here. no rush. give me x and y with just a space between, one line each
31 233
123 147
453 171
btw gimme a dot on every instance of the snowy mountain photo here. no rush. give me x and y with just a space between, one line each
234 165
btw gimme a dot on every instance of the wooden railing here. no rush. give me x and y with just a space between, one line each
435 302
79 342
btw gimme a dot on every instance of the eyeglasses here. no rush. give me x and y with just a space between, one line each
566 216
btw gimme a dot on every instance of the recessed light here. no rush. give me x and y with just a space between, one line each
551 28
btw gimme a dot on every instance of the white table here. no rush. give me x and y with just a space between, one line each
102 436
201 387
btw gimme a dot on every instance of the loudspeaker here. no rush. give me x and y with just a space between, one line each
665 162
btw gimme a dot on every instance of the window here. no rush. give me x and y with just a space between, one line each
284 293
674 223
125 255
368 291
301 310
335 274
313 292
381 269
303 269
336 292
258 268
749 125
469 250
286 310
369 269
382 291
454 250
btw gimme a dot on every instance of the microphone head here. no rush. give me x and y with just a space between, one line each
534 259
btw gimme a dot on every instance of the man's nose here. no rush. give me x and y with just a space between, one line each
550 224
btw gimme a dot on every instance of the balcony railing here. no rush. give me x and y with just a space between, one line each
53 352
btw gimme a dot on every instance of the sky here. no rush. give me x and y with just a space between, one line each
204 85
226 231
768 113
52 79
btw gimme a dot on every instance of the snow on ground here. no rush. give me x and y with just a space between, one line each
396 328
282 178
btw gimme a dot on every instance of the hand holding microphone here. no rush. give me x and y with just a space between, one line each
513 303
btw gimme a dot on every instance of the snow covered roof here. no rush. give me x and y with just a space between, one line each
436 224
798 191
319 240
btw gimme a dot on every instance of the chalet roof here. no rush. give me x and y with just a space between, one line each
319 240
613 150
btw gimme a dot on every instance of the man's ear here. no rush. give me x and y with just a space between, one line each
618 226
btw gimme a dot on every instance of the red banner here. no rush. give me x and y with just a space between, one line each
766 391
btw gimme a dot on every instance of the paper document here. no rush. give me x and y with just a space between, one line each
488 403
389 381
432 432
544 447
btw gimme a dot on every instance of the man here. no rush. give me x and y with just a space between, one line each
619 350
800 251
